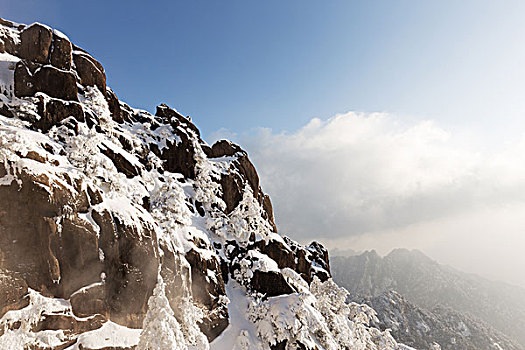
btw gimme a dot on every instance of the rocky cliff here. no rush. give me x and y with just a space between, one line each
121 229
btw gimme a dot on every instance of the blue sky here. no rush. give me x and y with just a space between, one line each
246 64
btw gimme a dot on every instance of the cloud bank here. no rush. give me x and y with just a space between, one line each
368 181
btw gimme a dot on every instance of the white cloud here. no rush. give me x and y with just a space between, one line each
373 182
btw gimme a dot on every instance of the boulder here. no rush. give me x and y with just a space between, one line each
131 263
53 111
35 43
223 148
76 249
205 289
24 85
26 232
90 71
122 164
278 252
232 187
56 83
271 283
47 79
177 276
61 51
90 301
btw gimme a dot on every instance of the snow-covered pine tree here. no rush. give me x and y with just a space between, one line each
161 330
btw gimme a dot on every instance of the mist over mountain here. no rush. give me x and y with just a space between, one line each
434 293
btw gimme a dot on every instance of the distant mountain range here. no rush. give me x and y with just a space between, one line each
433 302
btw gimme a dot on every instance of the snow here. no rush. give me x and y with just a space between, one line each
161 328
17 339
86 288
7 73
109 335
118 150
59 34
89 218
39 24
262 261
231 338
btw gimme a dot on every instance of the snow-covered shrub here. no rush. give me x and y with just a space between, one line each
206 185
161 330
168 207
191 316
319 317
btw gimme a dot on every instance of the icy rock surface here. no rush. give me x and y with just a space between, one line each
120 229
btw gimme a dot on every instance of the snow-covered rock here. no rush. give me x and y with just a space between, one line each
121 229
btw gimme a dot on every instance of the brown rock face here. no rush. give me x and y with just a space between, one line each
278 252
26 233
114 106
241 172
47 79
68 323
24 85
206 291
90 301
62 234
268 209
120 161
90 71
130 264
270 283
35 43
53 111
179 157
232 189
61 52
56 83
13 293
57 263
